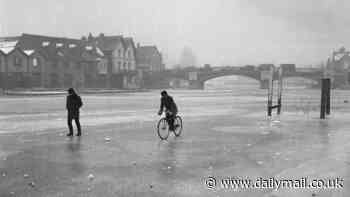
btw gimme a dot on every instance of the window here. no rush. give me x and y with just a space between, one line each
125 68
129 54
18 61
129 66
35 62
120 53
45 44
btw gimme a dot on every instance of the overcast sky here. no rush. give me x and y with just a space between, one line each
234 32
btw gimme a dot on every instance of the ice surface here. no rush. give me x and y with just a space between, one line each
222 137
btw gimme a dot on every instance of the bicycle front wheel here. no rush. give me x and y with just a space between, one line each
163 129
178 126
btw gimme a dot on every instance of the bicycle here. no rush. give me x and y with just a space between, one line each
163 127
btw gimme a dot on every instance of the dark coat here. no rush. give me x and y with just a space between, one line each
73 104
168 103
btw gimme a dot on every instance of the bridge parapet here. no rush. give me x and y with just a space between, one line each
198 77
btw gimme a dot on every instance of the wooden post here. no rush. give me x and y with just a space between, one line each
280 85
325 98
328 97
270 93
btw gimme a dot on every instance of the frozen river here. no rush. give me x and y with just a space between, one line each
226 134
48 113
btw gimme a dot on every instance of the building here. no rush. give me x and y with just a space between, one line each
149 59
338 67
35 61
120 53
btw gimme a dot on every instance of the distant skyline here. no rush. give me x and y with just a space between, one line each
219 32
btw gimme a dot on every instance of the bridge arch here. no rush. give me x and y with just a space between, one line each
250 74
231 81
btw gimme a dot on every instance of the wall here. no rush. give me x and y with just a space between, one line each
118 59
130 58
11 67
2 62
2 70
36 71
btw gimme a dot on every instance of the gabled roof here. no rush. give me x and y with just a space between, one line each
129 42
146 52
342 57
50 53
30 41
8 44
17 49
53 48
29 52
7 50
109 43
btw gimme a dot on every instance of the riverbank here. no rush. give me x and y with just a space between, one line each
50 92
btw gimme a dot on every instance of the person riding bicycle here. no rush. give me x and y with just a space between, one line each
170 108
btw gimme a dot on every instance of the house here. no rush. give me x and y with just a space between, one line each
36 67
30 61
149 59
95 66
2 68
342 63
51 62
121 60
17 69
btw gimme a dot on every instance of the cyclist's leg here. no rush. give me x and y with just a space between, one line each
171 122
168 119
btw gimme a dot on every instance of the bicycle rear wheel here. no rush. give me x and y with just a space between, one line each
163 129
178 126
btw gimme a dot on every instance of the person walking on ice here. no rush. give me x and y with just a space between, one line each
73 104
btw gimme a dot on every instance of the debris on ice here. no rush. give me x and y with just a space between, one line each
31 184
91 177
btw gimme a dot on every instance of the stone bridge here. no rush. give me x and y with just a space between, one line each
202 77
198 77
